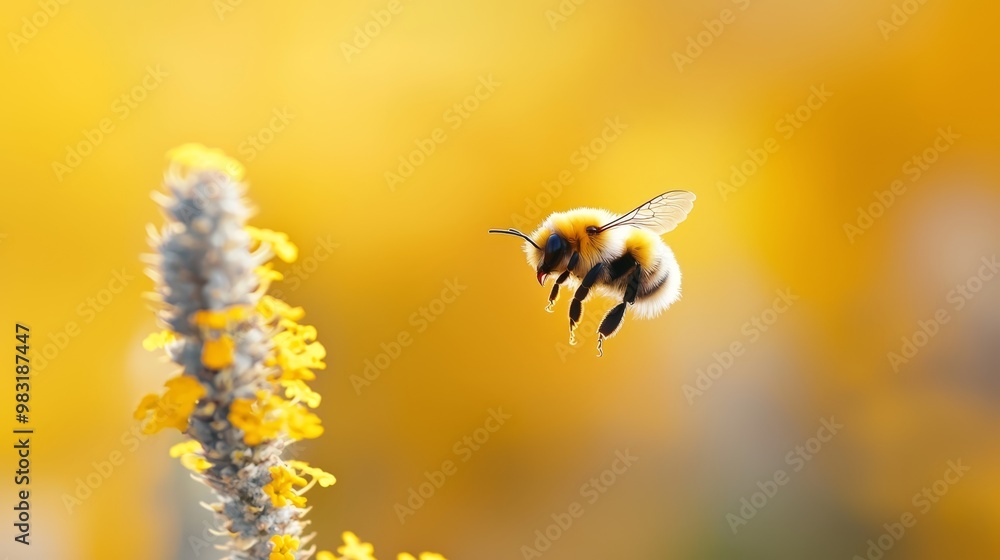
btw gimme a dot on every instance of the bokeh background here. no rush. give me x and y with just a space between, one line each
318 125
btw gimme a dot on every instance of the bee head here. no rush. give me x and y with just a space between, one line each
556 249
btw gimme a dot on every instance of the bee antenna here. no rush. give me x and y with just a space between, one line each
512 231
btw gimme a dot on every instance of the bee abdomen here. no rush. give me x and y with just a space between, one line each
654 284
660 289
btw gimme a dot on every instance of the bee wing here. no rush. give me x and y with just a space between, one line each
660 215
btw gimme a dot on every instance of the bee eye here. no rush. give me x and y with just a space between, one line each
555 249
555 244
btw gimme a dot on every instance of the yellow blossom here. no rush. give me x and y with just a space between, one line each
296 353
271 308
301 423
288 374
173 409
281 489
210 319
282 247
186 447
296 348
190 453
322 477
265 417
423 556
354 549
297 389
158 340
196 156
195 463
217 353
219 319
217 350
282 547
255 419
325 555
267 274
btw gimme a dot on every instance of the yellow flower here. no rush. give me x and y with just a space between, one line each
281 489
158 340
198 157
297 389
195 463
271 307
219 319
282 547
423 556
267 274
282 247
354 549
321 477
190 453
173 409
325 555
255 418
301 423
265 417
295 349
217 353
185 447
217 350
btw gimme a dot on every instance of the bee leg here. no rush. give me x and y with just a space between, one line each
613 320
576 306
554 294
610 325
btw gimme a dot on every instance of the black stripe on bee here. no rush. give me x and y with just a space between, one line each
655 286
621 266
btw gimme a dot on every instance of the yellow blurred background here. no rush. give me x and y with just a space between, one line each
877 199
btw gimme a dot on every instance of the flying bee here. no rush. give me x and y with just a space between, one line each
618 256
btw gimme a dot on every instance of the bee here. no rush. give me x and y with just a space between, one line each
617 256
